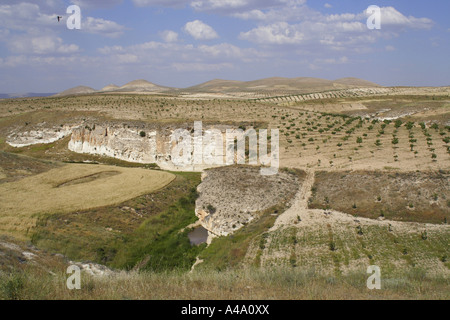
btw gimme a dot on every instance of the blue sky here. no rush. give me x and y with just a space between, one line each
185 42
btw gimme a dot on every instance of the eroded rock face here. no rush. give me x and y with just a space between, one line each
140 143
44 135
231 197
120 142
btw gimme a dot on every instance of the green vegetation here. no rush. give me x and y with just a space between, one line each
251 284
158 244
148 234
146 227
228 252
399 192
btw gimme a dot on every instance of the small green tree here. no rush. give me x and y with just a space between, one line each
398 123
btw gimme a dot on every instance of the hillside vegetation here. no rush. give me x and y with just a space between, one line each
364 180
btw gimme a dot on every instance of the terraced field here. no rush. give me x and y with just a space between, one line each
70 188
375 192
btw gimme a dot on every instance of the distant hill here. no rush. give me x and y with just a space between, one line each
356 82
75 91
110 87
275 85
141 86
297 85
217 85
24 95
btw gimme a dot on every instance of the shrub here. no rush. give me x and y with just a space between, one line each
409 125
142 134
424 235
12 287
332 246
211 208
359 230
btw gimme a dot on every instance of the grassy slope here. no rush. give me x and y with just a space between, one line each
86 235
123 235
54 193
251 284
413 196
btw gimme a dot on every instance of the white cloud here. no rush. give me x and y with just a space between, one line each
41 45
235 6
333 61
162 3
46 6
24 17
110 50
221 6
127 58
182 56
169 36
201 67
89 4
277 33
345 31
4 33
14 61
328 6
390 48
200 31
27 17
103 27
391 17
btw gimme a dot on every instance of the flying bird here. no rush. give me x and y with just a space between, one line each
59 18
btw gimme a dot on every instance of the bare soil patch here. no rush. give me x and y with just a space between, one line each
407 196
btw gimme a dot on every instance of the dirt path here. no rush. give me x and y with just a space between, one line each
300 205
316 220
318 217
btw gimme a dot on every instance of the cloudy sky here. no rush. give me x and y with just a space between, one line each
185 42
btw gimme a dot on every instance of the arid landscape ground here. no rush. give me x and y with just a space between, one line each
363 180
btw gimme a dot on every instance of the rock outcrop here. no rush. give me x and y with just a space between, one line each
120 142
231 197
139 143
148 143
40 135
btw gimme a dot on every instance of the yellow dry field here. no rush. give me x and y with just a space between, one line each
70 188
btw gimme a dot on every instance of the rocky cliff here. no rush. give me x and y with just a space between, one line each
172 146
231 197
24 137
140 143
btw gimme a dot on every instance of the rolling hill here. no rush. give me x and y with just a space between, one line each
75 91
269 85
297 85
141 86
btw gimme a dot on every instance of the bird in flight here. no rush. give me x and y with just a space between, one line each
59 18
